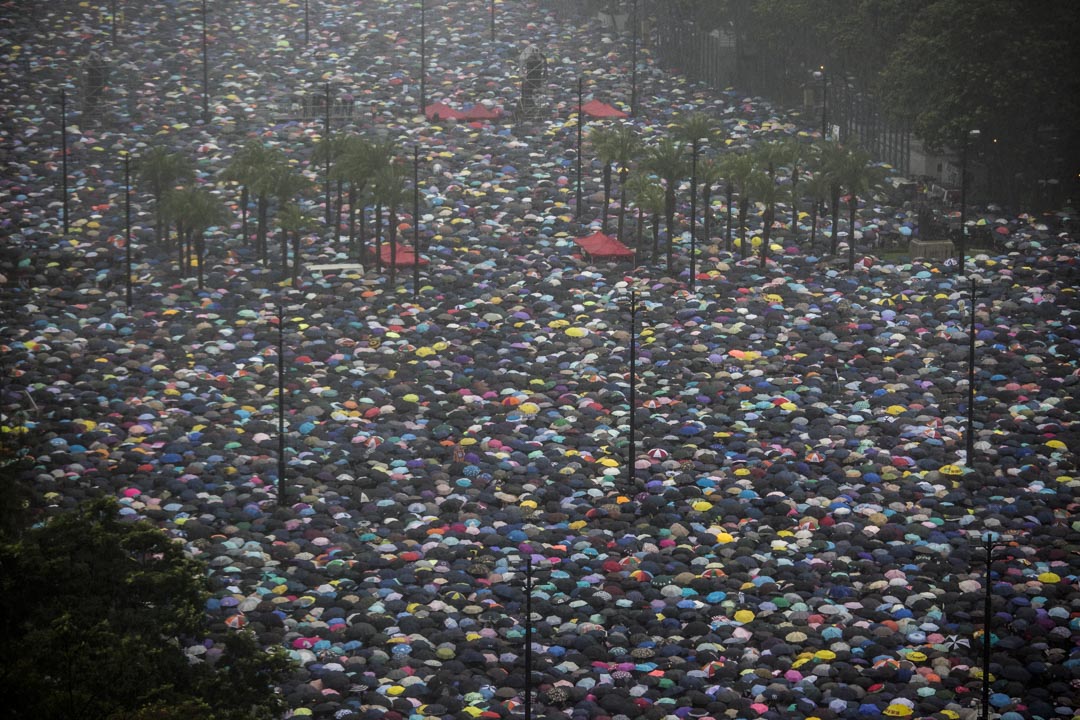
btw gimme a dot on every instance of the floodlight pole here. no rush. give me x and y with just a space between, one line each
634 63
492 20
990 541
64 156
423 56
580 122
205 70
969 435
112 18
329 149
632 449
693 214
281 403
528 637
307 22
127 228
416 222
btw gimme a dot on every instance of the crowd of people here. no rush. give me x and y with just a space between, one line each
801 533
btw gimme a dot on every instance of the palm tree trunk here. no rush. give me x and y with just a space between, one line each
378 237
283 245
295 256
766 235
706 201
260 231
607 197
393 243
352 217
744 204
623 172
363 235
813 225
640 230
180 249
835 222
852 205
655 237
727 231
669 217
200 257
244 214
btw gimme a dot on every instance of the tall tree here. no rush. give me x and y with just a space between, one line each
768 191
195 210
816 188
667 160
159 171
739 170
831 158
250 161
709 173
98 611
600 139
390 191
649 198
858 176
625 146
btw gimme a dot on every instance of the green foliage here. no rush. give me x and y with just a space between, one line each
96 611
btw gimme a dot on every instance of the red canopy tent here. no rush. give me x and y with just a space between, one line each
442 111
479 112
600 246
405 257
597 109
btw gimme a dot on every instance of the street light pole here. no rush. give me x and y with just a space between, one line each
205 70
492 20
961 251
281 403
631 456
969 435
990 542
528 637
693 213
64 156
580 122
824 102
423 56
416 222
307 22
329 149
127 229
633 62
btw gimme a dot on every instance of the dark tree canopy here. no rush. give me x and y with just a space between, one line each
97 611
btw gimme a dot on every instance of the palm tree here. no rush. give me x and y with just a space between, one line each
389 191
287 185
667 161
194 210
769 192
858 176
264 173
831 158
294 222
601 138
159 171
649 198
739 169
694 129
329 150
249 162
817 188
354 168
709 173
625 147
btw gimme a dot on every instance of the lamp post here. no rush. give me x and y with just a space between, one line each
127 229
580 122
281 402
307 22
695 146
416 222
205 70
112 19
64 157
423 56
969 433
631 451
990 541
528 637
492 20
329 150
820 74
633 62
961 251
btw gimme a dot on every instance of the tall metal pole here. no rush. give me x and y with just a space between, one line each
307 22
969 436
633 62
423 56
112 17
824 104
281 403
492 20
632 449
693 215
329 149
580 122
528 638
961 250
127 229
205 70
416 221
989 548
64 155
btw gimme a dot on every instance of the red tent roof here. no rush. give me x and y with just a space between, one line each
479 112
444 111
599 245
405 256
597 109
